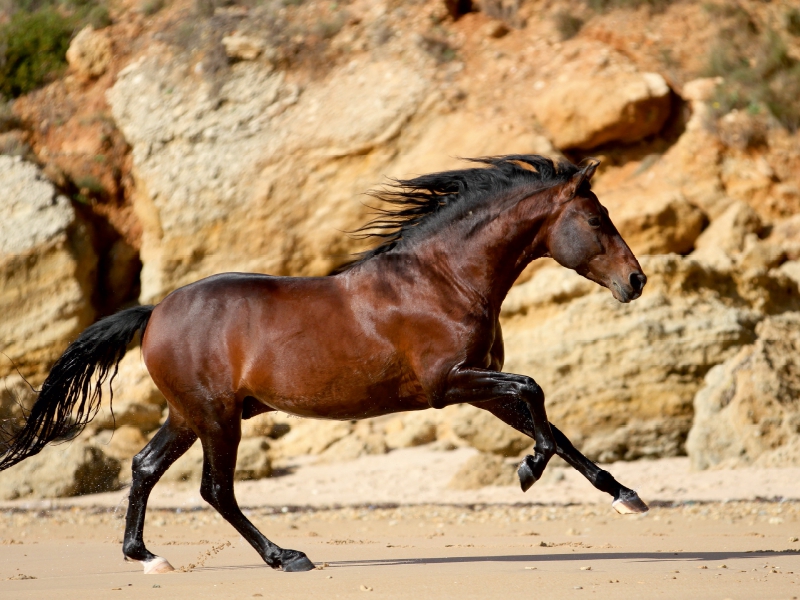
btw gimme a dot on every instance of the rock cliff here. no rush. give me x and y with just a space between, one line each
47 265
242 138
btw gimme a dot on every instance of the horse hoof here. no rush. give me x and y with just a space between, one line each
299 564
526 476
157 566
629 504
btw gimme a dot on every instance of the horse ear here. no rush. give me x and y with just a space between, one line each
584 175
590 168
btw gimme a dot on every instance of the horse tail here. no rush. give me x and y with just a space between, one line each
68 400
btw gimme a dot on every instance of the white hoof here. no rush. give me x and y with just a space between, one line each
156 566
630 506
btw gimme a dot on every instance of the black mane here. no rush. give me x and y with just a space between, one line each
421 204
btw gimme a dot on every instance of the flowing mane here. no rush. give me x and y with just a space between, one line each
423 204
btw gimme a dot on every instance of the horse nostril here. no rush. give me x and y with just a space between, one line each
637 281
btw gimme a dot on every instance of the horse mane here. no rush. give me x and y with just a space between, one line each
421 204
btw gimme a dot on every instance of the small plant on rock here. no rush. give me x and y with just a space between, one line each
567 24
760 74
33 49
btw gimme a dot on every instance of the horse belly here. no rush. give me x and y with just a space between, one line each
336 389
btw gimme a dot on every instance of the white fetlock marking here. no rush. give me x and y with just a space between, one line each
156 566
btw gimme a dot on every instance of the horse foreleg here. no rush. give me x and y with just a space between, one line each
220 445
492 387
169 444
515 414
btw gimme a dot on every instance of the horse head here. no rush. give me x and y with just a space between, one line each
582 237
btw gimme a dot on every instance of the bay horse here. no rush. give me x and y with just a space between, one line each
410 325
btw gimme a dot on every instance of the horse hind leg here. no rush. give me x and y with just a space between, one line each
170 443
220 445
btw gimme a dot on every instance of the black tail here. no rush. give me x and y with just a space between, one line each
68 399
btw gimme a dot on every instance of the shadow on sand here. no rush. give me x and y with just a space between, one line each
541 558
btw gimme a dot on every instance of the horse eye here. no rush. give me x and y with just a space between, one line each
594 221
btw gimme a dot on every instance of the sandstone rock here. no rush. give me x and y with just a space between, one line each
252 462
243 47
437 139
484 469
137 401
354 445
550 285
47 266
620 379
272 425
786 235
749 179
589 111
411 429
123 444
69 469
657 222
16 396
482 430
689 169
741 130
254 175
727 233
791 269
759 256
771 292
700 90
89 53
747 412
311 436
496 30
264 176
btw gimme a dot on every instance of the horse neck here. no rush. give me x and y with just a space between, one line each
489 258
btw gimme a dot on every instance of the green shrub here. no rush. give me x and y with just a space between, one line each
151 7
606 5
567 24
97 17
793 21
439 48
33 49
328 28
758 71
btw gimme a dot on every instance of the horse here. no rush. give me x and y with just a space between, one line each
411 324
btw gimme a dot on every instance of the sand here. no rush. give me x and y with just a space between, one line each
388 527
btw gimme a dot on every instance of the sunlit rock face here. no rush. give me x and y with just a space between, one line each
47 271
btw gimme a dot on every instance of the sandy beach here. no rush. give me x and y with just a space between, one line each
388 526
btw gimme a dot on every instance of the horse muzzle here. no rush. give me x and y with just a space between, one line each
631 289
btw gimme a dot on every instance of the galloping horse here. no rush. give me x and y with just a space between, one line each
412 324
